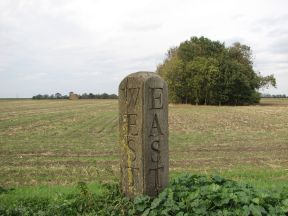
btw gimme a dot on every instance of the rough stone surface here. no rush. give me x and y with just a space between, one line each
143 134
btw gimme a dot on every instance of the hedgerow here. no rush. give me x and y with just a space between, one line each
186 195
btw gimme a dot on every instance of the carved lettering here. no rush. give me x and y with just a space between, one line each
123 94
157 101
134 171
157 182
155 146
133 96
132 124
143 134
131 146
155 129
130 95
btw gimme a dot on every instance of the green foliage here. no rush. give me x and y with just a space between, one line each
186 195
199 195
98 96
5 190
201 71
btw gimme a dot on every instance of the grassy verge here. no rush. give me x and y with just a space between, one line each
12 195
187 194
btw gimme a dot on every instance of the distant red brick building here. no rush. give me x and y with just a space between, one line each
73 96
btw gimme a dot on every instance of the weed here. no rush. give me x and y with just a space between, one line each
186 195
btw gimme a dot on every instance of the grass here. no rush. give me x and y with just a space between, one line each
186 194
53 143
42 191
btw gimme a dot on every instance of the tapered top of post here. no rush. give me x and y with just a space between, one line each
142 74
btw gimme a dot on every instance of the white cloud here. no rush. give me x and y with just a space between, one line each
90 45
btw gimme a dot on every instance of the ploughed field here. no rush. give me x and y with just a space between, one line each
49 142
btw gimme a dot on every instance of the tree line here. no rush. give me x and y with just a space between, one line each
202 71
274 96
83 96
98 96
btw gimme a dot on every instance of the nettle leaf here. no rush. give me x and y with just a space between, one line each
181 204
195 203
163 195
193 195
146 212
186 195
285 202
156 202
225 201
246 211
141 208
263 195
164 211
170 194
285 206
256 200
233 197
243 198
201 211
153 213
180 214
217 203
255 210
218 179
214 187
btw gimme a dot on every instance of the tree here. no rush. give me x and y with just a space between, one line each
202 71
173 71
58 95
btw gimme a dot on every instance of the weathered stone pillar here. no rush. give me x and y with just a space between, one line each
143 134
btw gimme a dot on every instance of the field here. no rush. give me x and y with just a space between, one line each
61 142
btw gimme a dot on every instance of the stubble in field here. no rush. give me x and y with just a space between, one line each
62 142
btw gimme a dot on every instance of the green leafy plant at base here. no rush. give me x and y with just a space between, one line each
199 195
186 195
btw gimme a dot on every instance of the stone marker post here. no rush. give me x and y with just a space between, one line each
143 134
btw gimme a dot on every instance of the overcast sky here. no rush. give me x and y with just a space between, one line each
49 46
